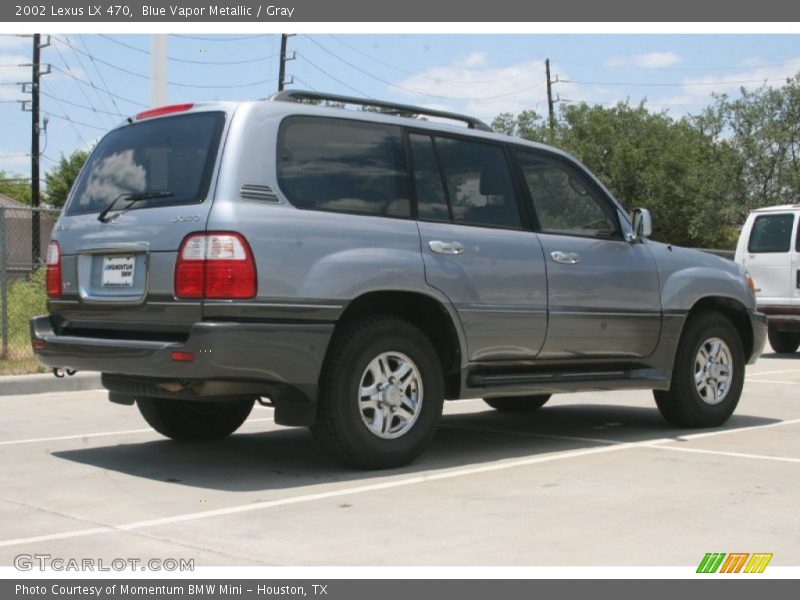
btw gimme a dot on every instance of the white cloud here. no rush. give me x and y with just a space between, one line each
12 41
472 84
650 60
695 92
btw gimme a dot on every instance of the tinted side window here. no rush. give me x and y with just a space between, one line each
343 165
563 203
479 185
771 233
431 201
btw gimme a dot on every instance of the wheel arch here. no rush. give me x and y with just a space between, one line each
425 311
734 310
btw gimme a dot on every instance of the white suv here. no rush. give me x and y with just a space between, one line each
769 248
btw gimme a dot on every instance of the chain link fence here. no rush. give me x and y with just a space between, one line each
22 292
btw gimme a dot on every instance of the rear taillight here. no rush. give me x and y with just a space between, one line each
53 270
215 265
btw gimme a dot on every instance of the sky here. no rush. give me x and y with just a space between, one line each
96 80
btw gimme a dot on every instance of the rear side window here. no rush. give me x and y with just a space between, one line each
431 201
479 185
343 165
175 155
771 233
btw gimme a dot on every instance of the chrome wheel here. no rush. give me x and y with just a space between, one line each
713 370
390 395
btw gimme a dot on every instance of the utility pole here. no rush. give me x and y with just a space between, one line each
550 102
282 70
284 58
35 189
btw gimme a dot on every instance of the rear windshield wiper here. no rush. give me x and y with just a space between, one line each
130 198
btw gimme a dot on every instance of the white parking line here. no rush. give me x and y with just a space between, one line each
724 453
552 436
426 477
100 434
759 373
778 381
361 489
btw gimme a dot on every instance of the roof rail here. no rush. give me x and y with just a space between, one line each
300 95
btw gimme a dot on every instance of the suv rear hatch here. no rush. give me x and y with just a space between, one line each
118 260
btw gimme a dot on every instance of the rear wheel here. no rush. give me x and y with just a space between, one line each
381 394
518 404
783 342
194 421
708 374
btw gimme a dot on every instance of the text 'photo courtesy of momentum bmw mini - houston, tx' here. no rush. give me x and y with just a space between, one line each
356 268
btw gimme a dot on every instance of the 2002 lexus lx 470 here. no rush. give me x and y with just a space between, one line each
356 268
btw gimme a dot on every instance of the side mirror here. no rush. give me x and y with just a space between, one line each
642 223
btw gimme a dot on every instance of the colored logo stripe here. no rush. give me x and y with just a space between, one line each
713 562
758 562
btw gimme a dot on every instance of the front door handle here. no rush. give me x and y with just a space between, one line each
440 247
565 258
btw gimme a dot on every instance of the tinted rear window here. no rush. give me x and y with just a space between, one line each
771 233
343 165
174 154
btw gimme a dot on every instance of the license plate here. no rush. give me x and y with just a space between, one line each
118 271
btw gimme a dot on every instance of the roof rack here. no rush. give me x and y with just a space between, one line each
300 95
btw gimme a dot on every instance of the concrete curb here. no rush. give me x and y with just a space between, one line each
14 385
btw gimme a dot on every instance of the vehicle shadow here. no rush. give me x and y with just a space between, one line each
782 355
288 458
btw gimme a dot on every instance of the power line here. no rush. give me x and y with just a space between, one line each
527 71
83 81
336 79
646 68
216 39
83 91
174 83
400 87
78 105
99 73
679 84
10 156
190 61
66 118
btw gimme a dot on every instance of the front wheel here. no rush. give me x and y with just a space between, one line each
708 375
194 421
381 394
518 404
783 342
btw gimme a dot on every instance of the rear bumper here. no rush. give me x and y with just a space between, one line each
786 318
275 359
758 322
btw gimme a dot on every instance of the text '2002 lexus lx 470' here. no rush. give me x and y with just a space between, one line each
356 268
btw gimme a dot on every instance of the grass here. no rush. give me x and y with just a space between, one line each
26 299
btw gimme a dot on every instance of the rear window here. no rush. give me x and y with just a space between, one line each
344 166
174 155
771 233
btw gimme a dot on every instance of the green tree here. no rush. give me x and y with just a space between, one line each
763 126
688 179
60 178
15 186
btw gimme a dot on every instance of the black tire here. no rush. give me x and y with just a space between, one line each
194 421
783 342
683 405
339 425
518 404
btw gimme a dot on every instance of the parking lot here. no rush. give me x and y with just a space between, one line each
591 479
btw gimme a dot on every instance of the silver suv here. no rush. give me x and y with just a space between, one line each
356 268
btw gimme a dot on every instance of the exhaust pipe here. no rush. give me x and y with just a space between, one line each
59 373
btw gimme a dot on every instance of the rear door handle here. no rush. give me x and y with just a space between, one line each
440 247
565 258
